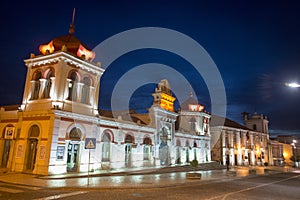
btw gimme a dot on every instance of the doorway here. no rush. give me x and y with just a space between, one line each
187 155
5 155
31 156
128 149
32 146
72 159
178 155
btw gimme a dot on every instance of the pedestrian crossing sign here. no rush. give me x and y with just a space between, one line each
90 143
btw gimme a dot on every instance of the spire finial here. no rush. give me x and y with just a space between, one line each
191 94
72 28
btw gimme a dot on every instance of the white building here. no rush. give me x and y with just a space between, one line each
58 119
241 144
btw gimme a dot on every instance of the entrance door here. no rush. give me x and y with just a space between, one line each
235 159
187 155
5 155
72 159
146 152
31 156
128 155
178 156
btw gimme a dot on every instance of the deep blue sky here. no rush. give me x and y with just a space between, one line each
255 45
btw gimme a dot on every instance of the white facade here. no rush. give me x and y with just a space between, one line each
239 145
58 118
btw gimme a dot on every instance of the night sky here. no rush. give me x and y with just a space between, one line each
254 44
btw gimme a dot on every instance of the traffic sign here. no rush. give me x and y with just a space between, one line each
90 143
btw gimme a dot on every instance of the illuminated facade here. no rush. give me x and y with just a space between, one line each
241 145
281 153
58 119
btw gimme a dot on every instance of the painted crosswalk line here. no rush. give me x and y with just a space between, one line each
62 195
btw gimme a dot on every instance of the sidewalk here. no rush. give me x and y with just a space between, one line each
129 178
124 178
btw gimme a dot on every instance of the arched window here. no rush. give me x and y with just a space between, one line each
73 86
106 139
34 131
147 141
128 139
192 124
75 134
85 95
178 143
49 73
195 145
37 75
187 143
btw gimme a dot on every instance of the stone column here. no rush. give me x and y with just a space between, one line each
67 86
223 135
42 87
79 92
239 148
92 96
32 89
52 95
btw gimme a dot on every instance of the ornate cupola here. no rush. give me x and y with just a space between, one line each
63 77
68 43
193 118
163 96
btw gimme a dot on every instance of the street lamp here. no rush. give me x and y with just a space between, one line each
293 85
295 153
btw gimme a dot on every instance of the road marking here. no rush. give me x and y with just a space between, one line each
61 195
251 188
27 187
10 190
22 186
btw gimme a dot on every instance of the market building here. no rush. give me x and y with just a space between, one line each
59 129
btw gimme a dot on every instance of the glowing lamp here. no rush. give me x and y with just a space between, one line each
196 107
293 85
284 154
84 53
46 48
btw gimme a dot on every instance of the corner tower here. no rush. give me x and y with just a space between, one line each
62 77
193 118
256 122
163 118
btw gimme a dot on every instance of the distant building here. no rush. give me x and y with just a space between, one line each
240 144
281 153
288 139
293 142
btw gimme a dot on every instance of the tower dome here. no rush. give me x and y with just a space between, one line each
191 104
68 43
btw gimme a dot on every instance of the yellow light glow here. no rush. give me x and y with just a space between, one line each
285 154
167 102
47 48
89 55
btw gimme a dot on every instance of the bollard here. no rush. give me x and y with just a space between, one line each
193 175
242 172
260 171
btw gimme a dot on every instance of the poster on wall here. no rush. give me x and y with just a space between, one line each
19 151
9 132
42 152
60 152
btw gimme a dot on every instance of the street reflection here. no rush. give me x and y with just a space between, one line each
126 181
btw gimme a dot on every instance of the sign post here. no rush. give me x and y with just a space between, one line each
90 143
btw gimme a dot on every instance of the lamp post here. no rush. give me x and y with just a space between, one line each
295 153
